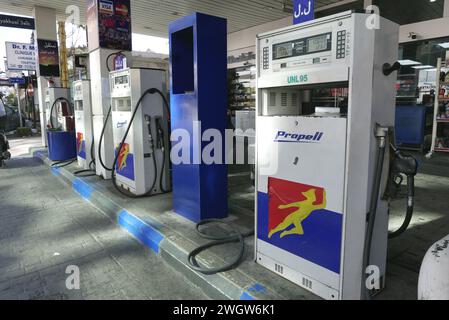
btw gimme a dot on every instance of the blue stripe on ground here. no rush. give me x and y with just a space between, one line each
146 233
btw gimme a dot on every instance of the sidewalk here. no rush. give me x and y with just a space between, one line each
45 227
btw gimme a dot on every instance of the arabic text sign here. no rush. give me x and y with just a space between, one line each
48 58
303 10
20 56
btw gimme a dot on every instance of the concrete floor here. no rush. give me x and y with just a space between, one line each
45 227
430 224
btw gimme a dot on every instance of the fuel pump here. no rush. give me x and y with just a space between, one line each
60 131
325 109
83 124
140 116
57 107
101 112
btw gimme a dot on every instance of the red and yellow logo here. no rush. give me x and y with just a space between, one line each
123 156
79 141
290 205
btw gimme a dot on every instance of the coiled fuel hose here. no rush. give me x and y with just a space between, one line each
234 235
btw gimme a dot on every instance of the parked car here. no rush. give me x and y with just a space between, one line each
9 118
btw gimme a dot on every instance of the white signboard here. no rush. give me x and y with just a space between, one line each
20 56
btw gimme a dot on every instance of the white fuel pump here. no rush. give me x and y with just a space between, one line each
320 172
83 123
140 131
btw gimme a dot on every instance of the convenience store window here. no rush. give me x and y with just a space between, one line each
417 76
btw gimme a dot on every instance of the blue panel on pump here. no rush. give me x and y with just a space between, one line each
198 75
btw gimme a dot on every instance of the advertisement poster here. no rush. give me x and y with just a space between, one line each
114 24
48 58
20 56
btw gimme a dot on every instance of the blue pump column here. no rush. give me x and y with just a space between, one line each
198 63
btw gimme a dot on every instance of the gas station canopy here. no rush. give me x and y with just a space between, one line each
151 17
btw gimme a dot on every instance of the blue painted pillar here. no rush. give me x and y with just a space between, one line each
198 75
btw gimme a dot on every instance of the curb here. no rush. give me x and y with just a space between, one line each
233 285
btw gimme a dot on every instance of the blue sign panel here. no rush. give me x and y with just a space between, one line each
16 22
303 10
17 80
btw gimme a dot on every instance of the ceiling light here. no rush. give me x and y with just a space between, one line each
423 67
433 0
407 62
445 45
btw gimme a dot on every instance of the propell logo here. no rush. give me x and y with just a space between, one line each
121 124
283 136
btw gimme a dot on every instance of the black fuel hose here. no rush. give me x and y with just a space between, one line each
90 164
101 140
167 109
92 155
409 212
109 57
62 164
405 165
234 236
161 186
373 208
53 106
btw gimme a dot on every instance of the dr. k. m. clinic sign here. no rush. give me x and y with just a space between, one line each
20 56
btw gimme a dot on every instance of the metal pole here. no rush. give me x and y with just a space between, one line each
18 103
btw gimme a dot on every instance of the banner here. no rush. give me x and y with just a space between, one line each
48 58
20 56
16 22
109 24
303 10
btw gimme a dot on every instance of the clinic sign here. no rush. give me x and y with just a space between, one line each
20 56
303 10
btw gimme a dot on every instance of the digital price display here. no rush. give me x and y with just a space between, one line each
300 47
